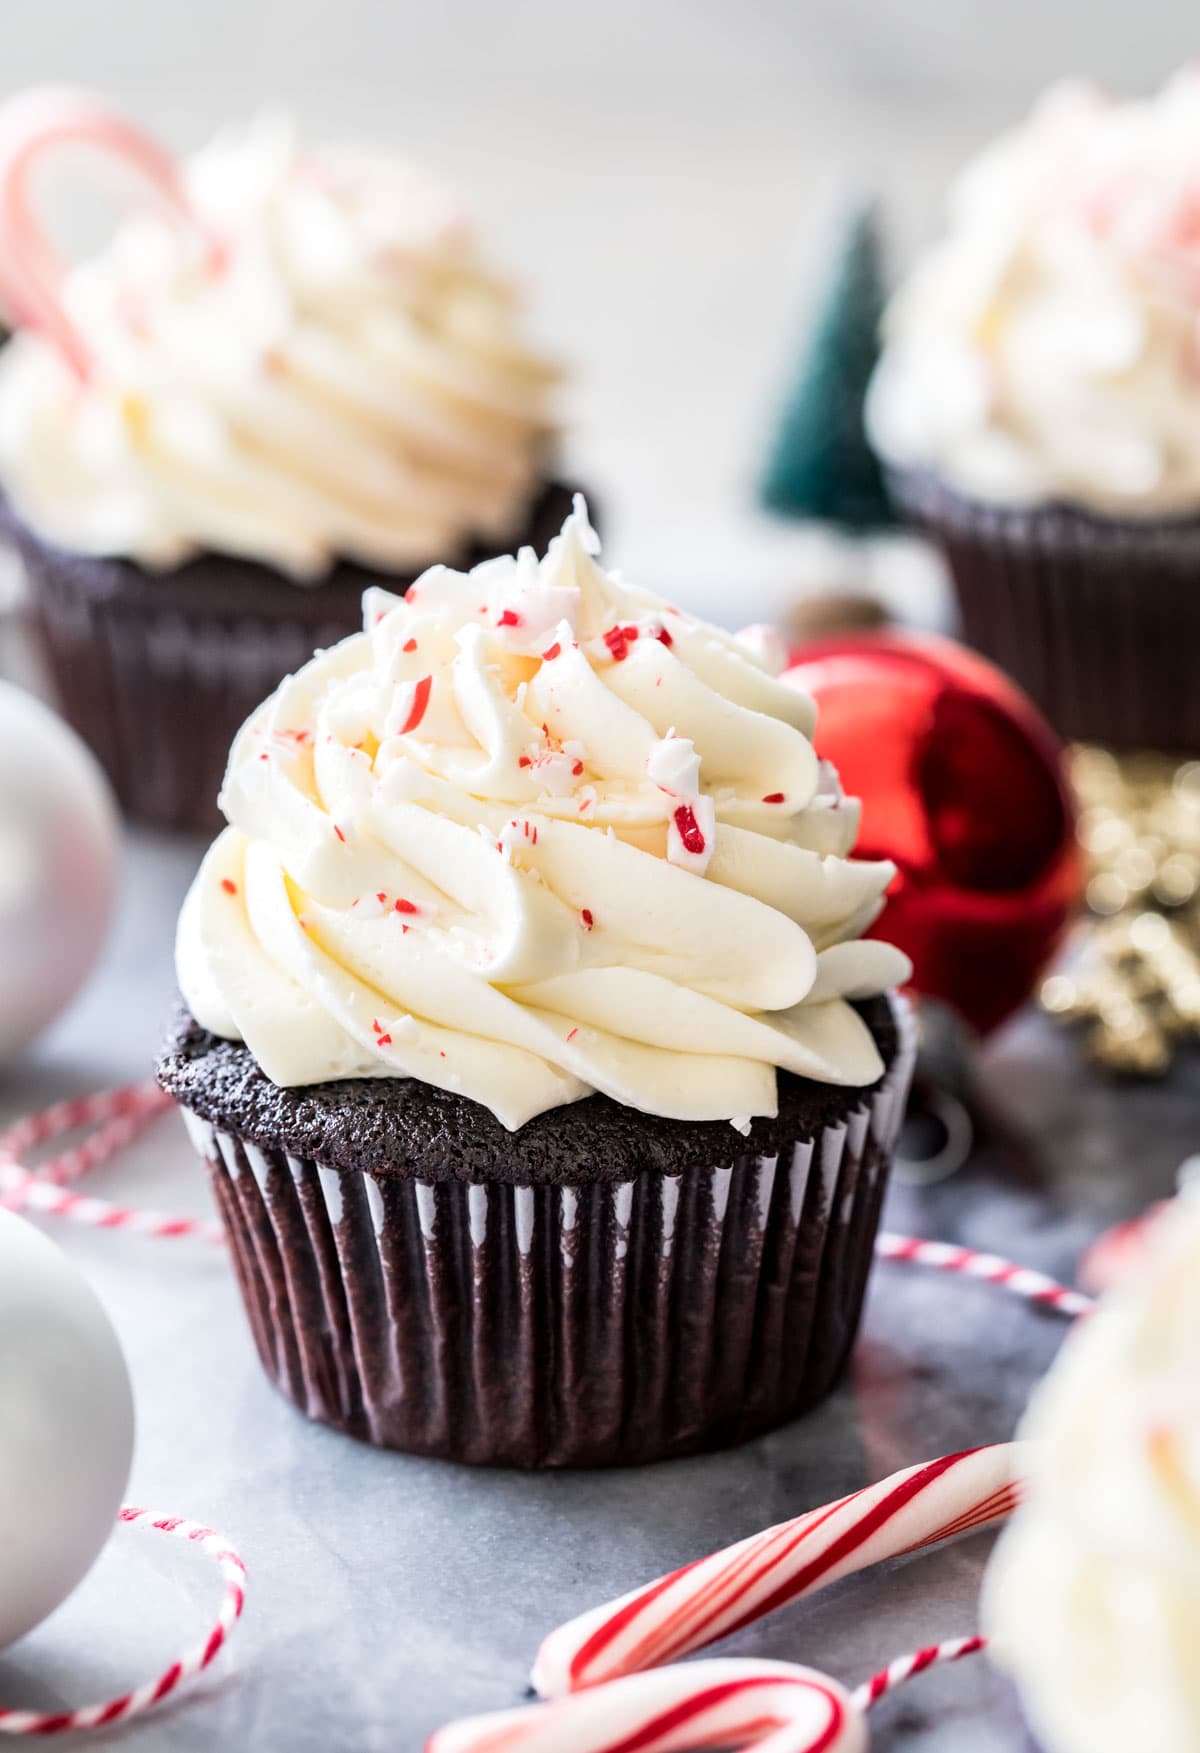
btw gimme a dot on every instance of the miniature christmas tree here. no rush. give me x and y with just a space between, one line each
821 465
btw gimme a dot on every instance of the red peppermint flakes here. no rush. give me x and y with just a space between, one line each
577 768
409 645
572 1035
416 711
383 1039
509 618
774 797
403 906
689 830
339 833
664 638
229 886
586 919
551 652
618 641
524 761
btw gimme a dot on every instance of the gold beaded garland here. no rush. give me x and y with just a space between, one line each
1132 974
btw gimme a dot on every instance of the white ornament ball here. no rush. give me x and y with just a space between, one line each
59 842
66 1427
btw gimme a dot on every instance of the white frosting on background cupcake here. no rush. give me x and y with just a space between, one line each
344 376
1048 348
1093 1596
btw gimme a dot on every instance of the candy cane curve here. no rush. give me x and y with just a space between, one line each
721 1698
775 1706
715 1596
31 272
184 1669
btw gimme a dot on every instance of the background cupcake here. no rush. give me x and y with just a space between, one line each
1093 1596
294 374
546 1082
1036 404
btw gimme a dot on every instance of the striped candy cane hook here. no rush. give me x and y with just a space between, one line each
31 270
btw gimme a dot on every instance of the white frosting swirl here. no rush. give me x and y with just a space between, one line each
350 383
1093 1596
1048 349
536 833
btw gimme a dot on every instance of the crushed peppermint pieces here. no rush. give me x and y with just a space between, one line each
412 701
619 639
572 1035
551 652
229 886
774 797
586 918
688 829
409 645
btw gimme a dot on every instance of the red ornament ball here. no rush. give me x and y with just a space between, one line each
963 788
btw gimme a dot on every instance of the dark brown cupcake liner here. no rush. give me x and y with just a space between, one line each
560 1325
159 671
1097 619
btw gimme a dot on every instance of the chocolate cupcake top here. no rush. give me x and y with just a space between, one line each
294 354
535 833
1092 1600
1048 348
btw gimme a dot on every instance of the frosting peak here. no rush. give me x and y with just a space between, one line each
535 833
1048 348
342 376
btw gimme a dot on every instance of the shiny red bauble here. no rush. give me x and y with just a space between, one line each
963 788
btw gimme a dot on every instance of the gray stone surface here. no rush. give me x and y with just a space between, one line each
387 1594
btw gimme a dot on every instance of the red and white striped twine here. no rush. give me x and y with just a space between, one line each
117 1116
1022 1281
903 1668
187 1666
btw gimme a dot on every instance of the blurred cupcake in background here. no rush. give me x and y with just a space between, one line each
1092 1600
1037 405
292 374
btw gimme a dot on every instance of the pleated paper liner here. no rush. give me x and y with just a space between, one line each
563 1325
1098 619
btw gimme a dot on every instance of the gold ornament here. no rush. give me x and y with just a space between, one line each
1132 973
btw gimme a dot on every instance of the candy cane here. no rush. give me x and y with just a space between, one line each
775 1706
718 1595
185 1668
119 1116
31 272
1023 1281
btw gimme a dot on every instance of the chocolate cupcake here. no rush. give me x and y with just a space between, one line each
545 1079
302 379
1035 405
